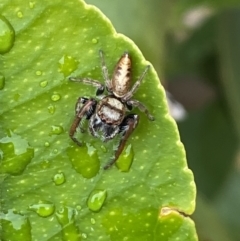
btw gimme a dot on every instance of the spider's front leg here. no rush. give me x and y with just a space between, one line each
126 128
87 109
100 87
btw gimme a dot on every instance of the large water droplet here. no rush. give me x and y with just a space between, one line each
65 217
59 178
56 130
2 81
43 208
16 154
96 199
14 226
55 97
7 35
84 159
67 65
125 160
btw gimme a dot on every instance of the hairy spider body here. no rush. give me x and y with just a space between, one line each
107 117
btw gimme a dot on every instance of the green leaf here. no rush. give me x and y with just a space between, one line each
60 191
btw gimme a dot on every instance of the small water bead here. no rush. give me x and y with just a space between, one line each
2 81
7 35
94 41
84 235
96 199
43 84
93 221
55 97
79 208
31 4
38 73
46 144
43 208
51 109
59 178
16 97
19 14
56 130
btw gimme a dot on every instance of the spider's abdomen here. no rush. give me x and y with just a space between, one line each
121 76
111 110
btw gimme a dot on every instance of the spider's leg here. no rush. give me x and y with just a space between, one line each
108 82
126 128
141 107
130 93
86 110
95 83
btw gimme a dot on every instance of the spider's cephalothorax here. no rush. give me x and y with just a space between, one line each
107 117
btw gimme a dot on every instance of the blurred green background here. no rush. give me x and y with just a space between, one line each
195 48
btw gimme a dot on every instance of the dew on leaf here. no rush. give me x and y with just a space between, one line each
94 41
84 235
59 178
16 154
65 217
93 221
51 109
15 226
96 199
84 159
56 130
31 4
43 208
38 72
19 14
16 97
125 160
67 64
7 35
43 83
47 144
55 97
2 81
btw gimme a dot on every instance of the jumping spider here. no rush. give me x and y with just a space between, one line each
108 115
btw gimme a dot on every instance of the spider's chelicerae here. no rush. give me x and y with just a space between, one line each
107 116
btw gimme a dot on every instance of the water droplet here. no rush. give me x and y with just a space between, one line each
2 81
32 4
65 217
59 178
125 160
7 35
51 109
19 14
43 208
15 226
93 221
55 97
56 130
55 151
16 154
96 199
94 41
47 144
67 65
84 235
43 83
38 72
84 160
